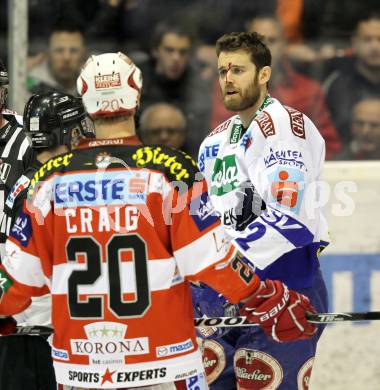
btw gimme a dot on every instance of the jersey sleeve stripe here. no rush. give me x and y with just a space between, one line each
23 148
10 143
209 249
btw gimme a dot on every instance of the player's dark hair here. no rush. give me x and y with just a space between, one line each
251 42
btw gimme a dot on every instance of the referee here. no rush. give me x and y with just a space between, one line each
16 155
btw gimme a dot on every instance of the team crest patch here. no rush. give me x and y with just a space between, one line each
257 370
214 358
304 375
103 160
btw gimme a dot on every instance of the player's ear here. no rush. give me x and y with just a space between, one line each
264 75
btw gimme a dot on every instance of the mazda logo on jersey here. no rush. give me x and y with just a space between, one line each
5 168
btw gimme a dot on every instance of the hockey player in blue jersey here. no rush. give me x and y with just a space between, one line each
261 167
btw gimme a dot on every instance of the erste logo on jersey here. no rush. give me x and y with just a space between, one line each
208 152
225 176
105 188
287 188
257 370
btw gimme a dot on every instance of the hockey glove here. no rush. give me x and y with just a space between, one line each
280 312
7 326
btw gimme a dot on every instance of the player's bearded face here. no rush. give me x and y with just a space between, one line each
238 79
243 97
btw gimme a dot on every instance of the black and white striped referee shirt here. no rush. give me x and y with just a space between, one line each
15 156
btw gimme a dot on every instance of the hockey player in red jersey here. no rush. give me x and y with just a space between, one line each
115 232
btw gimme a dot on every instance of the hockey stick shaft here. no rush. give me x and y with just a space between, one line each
220 322
319 318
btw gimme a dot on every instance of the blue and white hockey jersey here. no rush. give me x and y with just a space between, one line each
265 184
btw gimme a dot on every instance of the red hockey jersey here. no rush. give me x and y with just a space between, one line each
115 231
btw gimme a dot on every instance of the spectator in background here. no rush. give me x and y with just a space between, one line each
64 59
357 78
163 124
365 132
289 86
170 77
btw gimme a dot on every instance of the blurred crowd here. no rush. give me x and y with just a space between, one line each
325 59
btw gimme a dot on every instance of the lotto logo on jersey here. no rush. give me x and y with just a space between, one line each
225 176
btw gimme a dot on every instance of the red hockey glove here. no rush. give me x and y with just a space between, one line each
280 312
7 326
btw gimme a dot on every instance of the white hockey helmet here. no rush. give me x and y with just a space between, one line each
110 84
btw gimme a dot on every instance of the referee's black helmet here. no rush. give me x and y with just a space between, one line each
55 119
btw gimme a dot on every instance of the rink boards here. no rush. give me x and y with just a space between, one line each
348 354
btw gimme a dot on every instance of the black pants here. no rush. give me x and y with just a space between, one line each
26 364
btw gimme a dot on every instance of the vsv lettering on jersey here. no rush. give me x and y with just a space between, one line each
291 229
108 188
